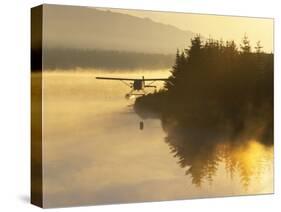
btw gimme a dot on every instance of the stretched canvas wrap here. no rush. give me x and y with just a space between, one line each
133 106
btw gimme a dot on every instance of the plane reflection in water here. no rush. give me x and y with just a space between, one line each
201 153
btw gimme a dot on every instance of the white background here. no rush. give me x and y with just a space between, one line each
15 102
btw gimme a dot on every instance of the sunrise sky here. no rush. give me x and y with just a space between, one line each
215 26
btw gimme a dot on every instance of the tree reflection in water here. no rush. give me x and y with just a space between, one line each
201 151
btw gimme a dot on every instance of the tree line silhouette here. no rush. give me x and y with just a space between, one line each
213 84
218 95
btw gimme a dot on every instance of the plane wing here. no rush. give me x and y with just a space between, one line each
132 79
116 78
156 79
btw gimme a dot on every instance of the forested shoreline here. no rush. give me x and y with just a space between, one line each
217 88
71 59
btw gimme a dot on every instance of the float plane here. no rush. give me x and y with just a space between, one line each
136 84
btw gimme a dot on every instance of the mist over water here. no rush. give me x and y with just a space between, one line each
95 153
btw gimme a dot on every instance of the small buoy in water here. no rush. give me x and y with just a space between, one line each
127 96
141 125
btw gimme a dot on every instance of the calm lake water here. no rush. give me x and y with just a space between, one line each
95 153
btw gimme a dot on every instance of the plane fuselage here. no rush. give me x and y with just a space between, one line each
138 85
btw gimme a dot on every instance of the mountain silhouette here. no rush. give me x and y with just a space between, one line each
90 28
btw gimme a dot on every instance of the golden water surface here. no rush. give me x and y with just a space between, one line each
95 153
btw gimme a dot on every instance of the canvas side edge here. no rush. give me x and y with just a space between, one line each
36 107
